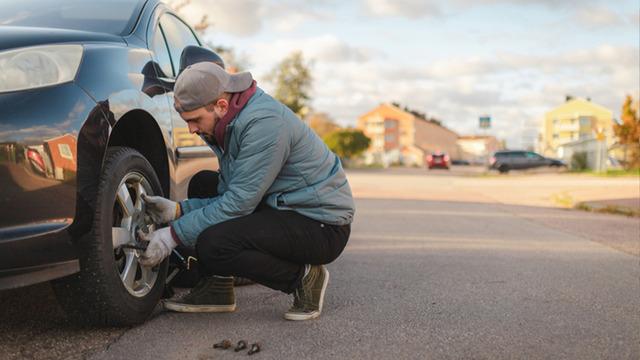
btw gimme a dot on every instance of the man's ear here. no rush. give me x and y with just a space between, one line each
223 104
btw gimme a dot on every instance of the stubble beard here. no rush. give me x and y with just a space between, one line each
211 138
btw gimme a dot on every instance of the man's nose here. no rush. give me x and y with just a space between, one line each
193 129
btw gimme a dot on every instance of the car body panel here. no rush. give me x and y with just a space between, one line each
53 141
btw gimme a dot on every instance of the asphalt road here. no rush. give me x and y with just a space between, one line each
448 272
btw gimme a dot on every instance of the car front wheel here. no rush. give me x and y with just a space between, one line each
112 287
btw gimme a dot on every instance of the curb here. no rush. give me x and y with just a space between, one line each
608 209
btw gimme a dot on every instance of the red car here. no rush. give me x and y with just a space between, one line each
438 160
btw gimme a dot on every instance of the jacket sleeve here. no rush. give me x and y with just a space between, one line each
189 205
264 147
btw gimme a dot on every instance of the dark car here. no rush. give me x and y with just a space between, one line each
503 161
87 127
438 160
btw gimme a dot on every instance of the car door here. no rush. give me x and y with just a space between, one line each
518 160
534 160
178 36
192 154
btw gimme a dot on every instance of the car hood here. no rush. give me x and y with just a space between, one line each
17 36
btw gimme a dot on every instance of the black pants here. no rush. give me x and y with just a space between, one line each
268 246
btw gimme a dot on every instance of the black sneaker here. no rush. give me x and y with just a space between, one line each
211 294
308 298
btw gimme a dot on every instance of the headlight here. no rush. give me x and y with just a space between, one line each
38 66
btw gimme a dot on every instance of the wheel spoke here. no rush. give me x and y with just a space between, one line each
120 236
139 192
125 201
128 275
148 277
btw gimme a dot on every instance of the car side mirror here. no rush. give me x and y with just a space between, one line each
195 54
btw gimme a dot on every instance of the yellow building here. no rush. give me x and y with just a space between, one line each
398 136
576 119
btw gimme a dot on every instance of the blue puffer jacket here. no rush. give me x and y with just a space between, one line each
274 157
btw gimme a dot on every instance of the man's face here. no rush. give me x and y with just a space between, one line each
202 121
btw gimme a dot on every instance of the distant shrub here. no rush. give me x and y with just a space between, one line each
579 161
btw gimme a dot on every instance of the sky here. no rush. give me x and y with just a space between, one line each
454 60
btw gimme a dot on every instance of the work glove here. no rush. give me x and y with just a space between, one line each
160 245
161 210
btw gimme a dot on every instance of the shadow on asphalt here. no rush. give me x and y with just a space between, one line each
34 326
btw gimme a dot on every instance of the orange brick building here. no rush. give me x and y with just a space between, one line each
400 137
63 153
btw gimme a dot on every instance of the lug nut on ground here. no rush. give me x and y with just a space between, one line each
241 346
254 349
224 344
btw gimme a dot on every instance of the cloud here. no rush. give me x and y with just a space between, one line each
239 18
290 16
320 49
248 17
415 9
598 16
411 9
515 89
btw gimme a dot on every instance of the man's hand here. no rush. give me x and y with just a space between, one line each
160 245
161 210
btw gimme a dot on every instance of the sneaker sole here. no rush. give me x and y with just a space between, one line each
315 314
186 308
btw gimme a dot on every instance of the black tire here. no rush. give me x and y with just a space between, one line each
503 169
97 295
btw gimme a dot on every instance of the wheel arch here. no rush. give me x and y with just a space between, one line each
139 130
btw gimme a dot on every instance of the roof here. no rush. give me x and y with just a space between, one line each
385 109
579 101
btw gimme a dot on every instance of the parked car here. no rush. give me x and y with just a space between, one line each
87 127
503 161
438 160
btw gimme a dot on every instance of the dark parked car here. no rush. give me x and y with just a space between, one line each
503 161
438 160
87 126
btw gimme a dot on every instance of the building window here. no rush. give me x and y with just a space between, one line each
555 136
65 151
389 138
585 121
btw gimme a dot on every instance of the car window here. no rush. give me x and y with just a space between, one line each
178 37
161 54
532 155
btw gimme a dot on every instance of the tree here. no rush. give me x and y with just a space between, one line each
179 6
347 143
322 124
628 133
292 80
233 62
